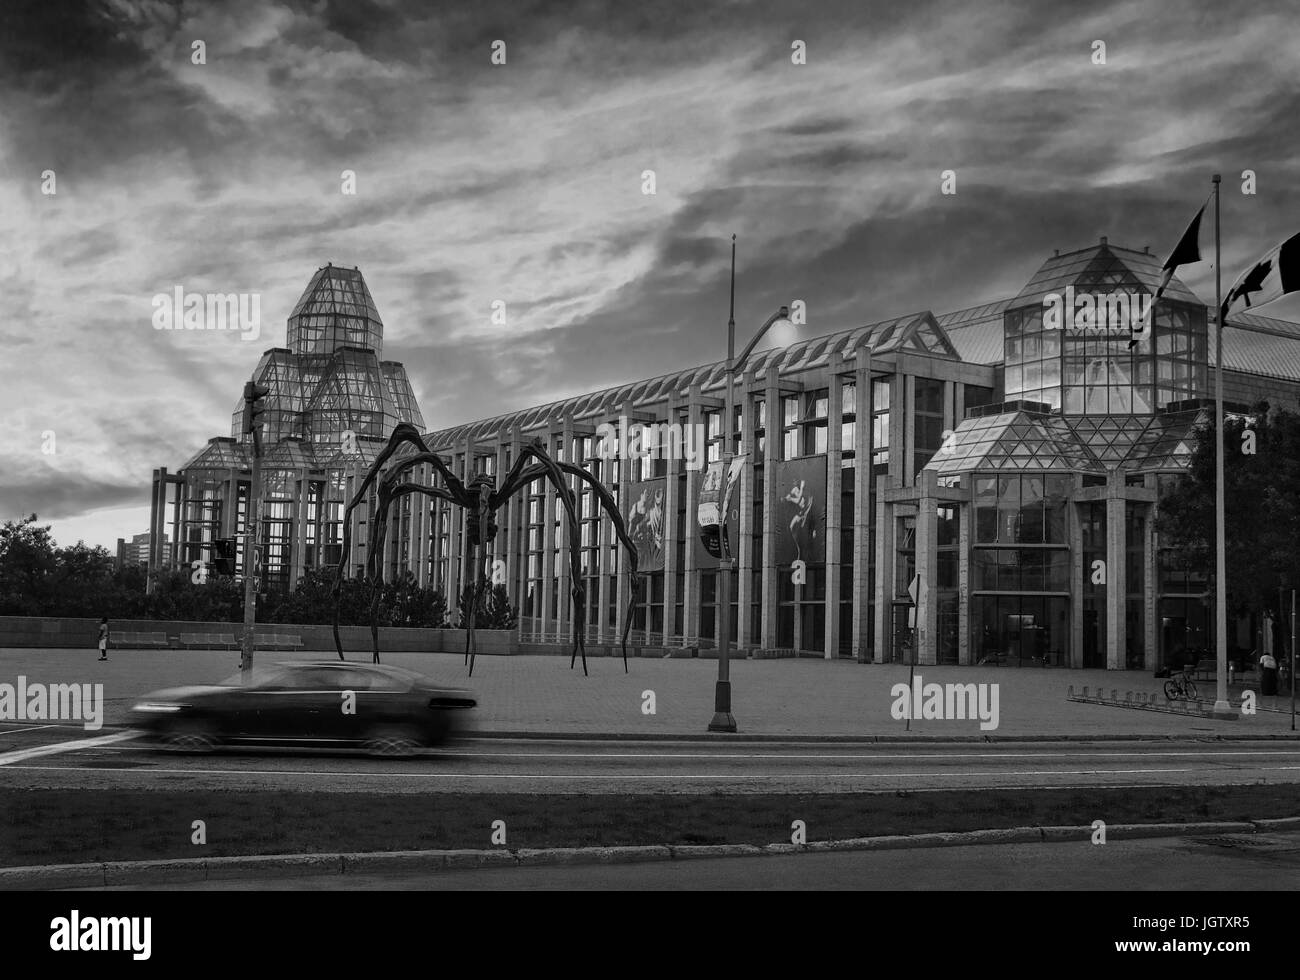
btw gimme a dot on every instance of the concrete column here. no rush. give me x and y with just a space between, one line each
1074 534
744 530
1116 638
884 565
156 521
229 502
565 614
966 514
862 517
907 409
1150 607
927 537
623 469
673 530
773 454
834 484
551 509
516 531
298 528
623 594
692 583
604 536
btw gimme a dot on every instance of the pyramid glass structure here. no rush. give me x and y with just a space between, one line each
1085 365
330 407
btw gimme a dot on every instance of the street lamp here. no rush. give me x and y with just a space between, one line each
723 721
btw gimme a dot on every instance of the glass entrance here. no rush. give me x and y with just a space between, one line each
900 647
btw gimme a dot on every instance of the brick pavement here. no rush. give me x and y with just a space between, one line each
796 697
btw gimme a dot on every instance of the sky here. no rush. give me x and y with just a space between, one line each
525 183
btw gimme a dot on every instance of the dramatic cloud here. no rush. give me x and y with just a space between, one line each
523 183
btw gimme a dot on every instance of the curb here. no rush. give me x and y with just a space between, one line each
107 874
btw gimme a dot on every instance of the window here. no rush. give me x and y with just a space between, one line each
929 421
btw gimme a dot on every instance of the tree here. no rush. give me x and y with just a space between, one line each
494 611
176 596
402 603
83 583
1261 508
27 565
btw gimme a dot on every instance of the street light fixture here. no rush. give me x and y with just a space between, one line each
723 720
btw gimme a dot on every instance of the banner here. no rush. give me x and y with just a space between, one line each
645 523
714 511
801 510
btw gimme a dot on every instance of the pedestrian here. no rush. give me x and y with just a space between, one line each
103 638
1267 674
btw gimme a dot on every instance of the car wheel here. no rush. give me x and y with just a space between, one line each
394 741
189 736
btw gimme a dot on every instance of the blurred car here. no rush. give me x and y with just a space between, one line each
386 710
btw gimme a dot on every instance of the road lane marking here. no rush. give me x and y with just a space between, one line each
26 728
74 745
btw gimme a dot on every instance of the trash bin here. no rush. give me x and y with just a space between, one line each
1268 680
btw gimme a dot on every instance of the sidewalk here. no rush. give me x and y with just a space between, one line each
540 694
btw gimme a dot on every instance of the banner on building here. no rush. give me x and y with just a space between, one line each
715 512
801 511
645 523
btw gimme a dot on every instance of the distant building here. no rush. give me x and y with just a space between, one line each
137 550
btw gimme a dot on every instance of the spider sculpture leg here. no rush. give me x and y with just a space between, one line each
472 620
455 493
403 433
521 475
620 529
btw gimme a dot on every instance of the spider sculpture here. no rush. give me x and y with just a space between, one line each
481 499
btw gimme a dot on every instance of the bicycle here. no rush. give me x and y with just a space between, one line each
1180 687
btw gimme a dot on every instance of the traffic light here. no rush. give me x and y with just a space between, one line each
253 407
223 561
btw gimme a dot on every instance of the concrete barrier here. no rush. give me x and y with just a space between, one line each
70 633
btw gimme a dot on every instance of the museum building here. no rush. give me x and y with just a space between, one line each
965 487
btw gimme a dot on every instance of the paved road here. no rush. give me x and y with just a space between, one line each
1240 863
70 759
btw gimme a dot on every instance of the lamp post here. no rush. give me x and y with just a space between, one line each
723 720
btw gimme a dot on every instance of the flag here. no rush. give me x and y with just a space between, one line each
1187 251
1275 274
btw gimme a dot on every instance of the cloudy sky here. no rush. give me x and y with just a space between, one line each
523 182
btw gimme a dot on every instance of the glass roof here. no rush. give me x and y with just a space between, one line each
321 389
1101 269
221 453
335 310
1013 440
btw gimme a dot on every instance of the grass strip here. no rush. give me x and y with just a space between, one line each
50 826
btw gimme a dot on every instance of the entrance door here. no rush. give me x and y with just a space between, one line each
901 635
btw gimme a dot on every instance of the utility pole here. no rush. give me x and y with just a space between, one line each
253 395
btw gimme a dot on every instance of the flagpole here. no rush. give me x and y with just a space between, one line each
1221 707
